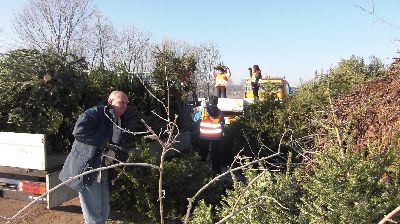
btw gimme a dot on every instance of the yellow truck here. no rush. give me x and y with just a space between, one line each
232 108
277 86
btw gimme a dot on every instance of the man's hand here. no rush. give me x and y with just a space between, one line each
109 157
152 137
114 147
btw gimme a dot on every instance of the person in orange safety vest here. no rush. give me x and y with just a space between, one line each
211 120
255 75
221 74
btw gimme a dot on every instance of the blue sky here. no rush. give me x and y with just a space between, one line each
285 38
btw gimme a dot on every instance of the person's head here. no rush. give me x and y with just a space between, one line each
213 105
213 100
220 68
217 70
256 68
119 101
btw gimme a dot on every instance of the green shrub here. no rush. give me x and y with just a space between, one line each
361 188
137 190
259 128
202 214
273 198
29 103
173 72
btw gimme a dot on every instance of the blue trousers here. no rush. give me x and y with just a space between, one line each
95 201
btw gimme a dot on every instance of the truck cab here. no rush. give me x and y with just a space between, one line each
277 86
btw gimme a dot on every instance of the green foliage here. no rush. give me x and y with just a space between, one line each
264 116
328 195
307 108
101 82
272 198
261 121
177 70
300 108
375 69
41 93
361 188
202 214
136 189
270 123
351 72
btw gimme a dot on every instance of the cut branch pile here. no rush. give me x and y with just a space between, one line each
372 110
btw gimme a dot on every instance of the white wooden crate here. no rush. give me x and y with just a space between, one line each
232 105
24 154
22 150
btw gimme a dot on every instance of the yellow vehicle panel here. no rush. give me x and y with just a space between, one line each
277 86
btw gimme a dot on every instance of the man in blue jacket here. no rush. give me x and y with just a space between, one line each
93 130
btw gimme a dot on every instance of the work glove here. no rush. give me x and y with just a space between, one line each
114 154
203 103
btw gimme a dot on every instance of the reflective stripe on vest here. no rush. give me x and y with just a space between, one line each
221 80
253 77
210 128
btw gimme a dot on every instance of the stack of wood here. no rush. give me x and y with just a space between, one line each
372 110
394 68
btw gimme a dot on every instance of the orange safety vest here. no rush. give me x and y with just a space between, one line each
210 128
253 77
221 80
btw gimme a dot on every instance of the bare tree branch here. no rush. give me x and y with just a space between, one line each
53 24
389 216
372 12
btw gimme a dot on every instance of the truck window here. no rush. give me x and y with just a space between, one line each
288 90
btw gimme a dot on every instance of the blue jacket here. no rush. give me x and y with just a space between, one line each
92 132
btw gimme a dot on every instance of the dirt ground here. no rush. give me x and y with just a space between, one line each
68 213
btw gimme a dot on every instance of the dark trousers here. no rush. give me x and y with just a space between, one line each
255 91
215 146
221 91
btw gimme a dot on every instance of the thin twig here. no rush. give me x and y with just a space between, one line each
255 202
192 199
246 188
374 14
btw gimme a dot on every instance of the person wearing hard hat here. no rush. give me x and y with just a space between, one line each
220 73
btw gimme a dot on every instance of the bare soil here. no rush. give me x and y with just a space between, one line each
68 213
